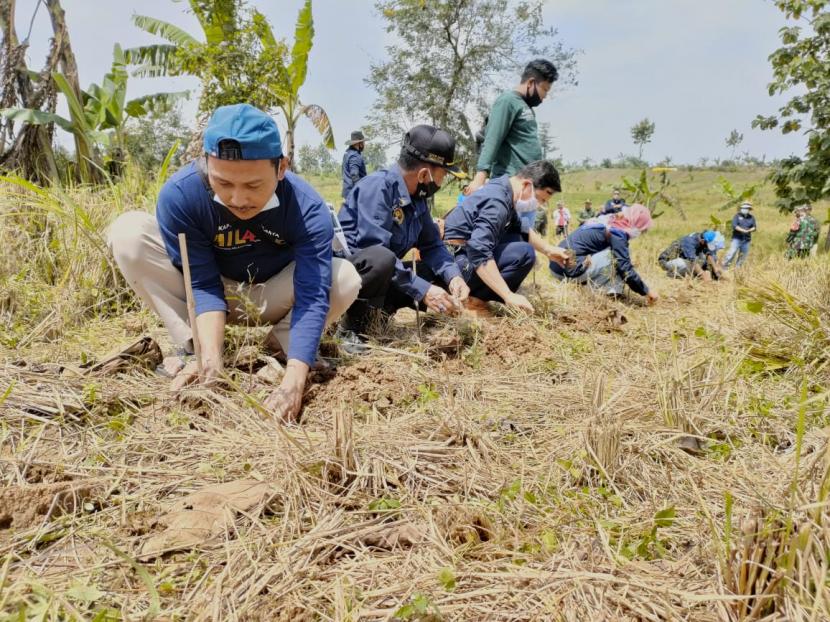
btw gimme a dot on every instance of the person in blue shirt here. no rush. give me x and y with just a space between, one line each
743 225
493 248
694 254
259 241
354 166
615 204
386 216
601 256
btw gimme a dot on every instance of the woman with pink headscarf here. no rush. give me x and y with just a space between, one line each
601 255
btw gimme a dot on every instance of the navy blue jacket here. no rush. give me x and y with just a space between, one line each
379 210
483 219
299 229
354 169
592 238
693 247
612 206
744 222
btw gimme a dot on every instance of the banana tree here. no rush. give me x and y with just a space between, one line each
100 109
293 77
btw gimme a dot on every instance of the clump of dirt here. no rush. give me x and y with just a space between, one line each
508 343
45 474
21 506
370 381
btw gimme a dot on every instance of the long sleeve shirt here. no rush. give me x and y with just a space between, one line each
483 219
353 169
379 210
298 229
590 239
512 137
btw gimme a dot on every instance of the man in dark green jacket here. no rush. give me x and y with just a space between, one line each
511 140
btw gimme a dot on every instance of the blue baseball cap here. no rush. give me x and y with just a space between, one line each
709 238
257 134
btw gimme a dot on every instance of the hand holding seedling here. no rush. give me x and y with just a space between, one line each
285 402
459 290
564 257
438 300
211 374
651 298
517 301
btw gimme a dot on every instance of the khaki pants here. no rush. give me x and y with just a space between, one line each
135 241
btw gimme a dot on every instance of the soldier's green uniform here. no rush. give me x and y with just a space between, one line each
801 241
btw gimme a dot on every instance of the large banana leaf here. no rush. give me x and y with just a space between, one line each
218 18
157 102
303 39
155 60
36 117
321 121
81 129
165 30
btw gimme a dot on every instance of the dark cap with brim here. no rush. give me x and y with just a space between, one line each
357 137
434 146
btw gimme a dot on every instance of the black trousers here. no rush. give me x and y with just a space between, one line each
376 267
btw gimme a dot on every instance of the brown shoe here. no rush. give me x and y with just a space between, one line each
477 308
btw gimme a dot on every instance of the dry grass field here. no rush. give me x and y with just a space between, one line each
600 460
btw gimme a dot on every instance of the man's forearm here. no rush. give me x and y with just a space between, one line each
492 278
211 327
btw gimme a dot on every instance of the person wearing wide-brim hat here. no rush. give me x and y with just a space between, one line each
743 224
354 166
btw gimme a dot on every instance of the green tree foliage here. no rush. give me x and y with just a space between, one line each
450 57
316 160
734 139
641 134
148 139
98 118
239 60
374 154
802 64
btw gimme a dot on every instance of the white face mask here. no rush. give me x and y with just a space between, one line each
524 206
633 232
744 212
272 202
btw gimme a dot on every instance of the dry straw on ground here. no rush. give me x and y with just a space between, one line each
522 469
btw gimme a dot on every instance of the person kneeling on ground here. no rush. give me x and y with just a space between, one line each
486 235
601 254
254 231
694 254
384 218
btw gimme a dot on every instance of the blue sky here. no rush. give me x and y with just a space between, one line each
697 68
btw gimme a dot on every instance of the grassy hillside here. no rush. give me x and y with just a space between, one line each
600 460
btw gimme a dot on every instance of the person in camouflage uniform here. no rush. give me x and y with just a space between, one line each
803 234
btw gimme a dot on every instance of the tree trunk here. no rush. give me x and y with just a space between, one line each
88 161
30 152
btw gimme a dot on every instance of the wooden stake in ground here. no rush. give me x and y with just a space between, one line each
191 306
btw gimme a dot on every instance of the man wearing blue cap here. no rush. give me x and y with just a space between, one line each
254 231
694 254
384 217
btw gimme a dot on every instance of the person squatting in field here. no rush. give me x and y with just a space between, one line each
695 255
494 249
254 231
601 256
384 217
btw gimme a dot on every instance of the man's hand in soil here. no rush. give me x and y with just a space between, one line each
651 298
438 300
459 289
285 402
517 301
211 375
559 255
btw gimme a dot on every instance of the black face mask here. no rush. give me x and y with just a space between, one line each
359 148
534 99
424 190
